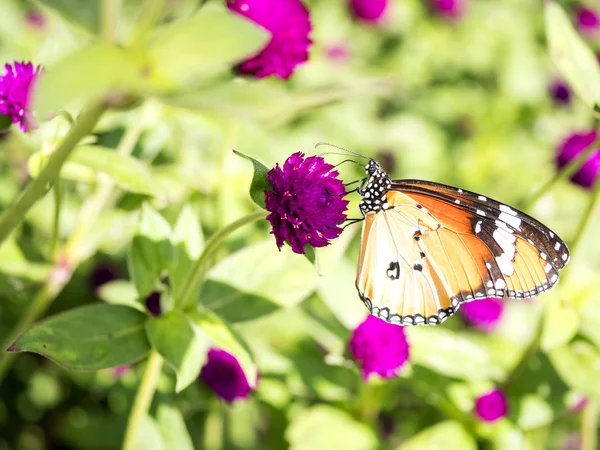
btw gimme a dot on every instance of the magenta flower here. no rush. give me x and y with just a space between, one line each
369 10
36 19
119 371
491 406
16 86
573 146
587 20
449 8
306 203
484 313
224 375
560 92
337 52
381 347
288 21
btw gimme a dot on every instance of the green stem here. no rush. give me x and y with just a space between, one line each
589 426
142 401
36 188
56 221
110 18
196 274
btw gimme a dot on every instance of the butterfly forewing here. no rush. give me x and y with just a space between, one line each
427 248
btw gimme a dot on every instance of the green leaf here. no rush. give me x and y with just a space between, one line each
448 435
225 338
151 251
188 242
85 74
577 364
181 344
128 172
283 277
172 428
149 437
120 292
89 337
235 305
560 324
260 183
534 412
574 58
452 354
85 14
189 50
324 427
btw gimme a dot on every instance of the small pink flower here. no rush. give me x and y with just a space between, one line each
484 313
588 20
380 347
449 8
369 10
491 406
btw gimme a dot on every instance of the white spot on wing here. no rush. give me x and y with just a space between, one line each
505 265
506 242
515 222
478 227
482 198
500 283
557 246
481 213
508 210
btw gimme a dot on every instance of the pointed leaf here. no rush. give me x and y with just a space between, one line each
183 346
88 338
448 435
120 292
85 74
187 50
225 338
188 243
151 251
573 57
260 182
128 172
577 364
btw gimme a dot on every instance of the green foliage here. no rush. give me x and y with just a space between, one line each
88 338
260 182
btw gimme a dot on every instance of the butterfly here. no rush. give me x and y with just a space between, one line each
426 248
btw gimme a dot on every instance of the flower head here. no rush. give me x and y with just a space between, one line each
484 313
224 375
288 21
491 406
573 146
153 303
369 10
588 20
560 92
380 347
449 8
306 202
16 85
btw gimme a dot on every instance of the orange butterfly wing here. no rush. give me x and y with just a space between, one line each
433 247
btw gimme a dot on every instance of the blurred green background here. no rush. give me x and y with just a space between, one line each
464 102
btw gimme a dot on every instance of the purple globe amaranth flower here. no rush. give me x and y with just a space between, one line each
288 21
588 20
560 92
369 10
224 375
571 148
381 347
153 304
306 203
449 8
16 86
491 406
484 314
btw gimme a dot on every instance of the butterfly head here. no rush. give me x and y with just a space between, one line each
374 190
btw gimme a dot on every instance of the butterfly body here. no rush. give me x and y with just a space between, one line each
426 248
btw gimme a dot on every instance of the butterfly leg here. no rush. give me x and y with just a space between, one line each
352 221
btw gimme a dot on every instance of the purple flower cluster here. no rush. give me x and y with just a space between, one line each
306 202
224 375
288 21
16 86
380 347
491 406
571 148
484 313
452 9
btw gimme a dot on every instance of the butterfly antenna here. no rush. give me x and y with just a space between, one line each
341 148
